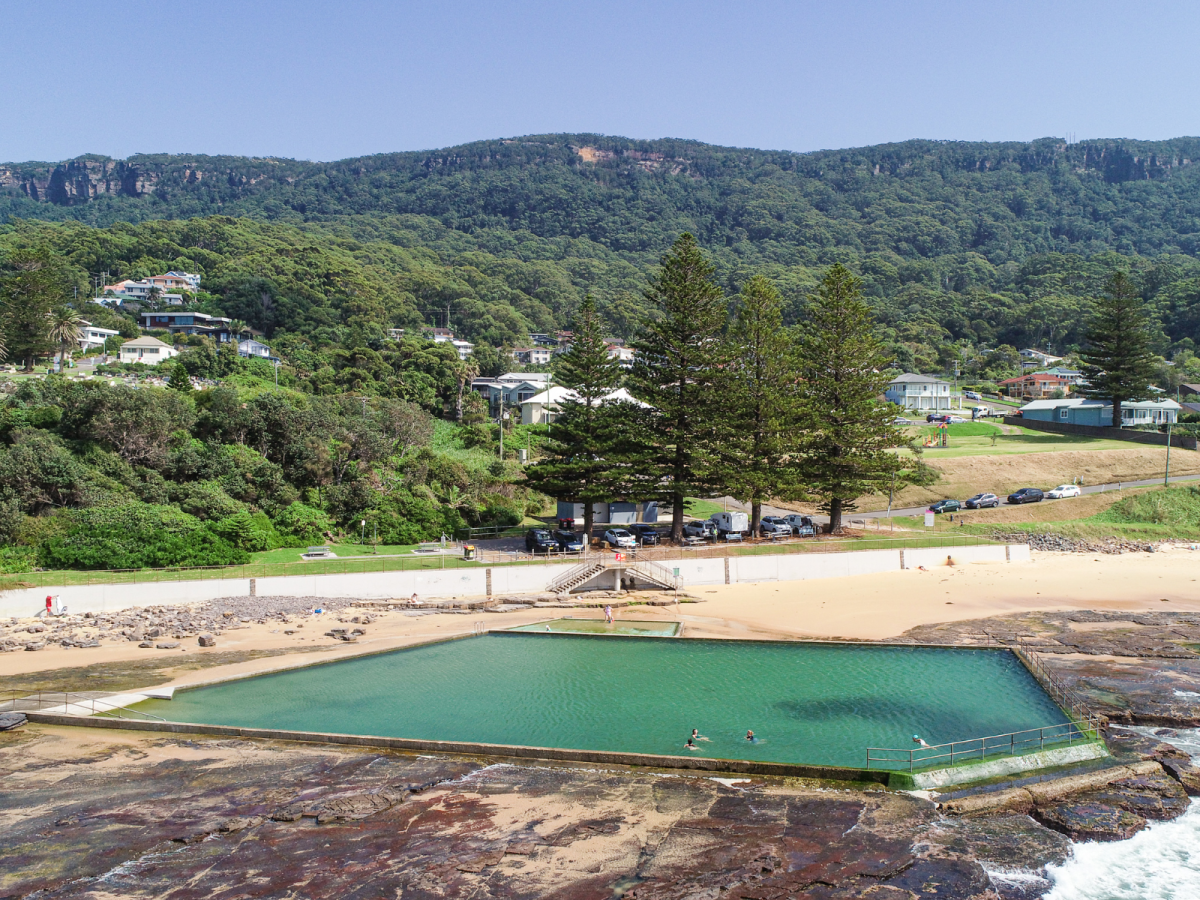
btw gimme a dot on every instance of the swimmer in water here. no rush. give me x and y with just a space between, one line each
750 736
921 741
697 736
691 746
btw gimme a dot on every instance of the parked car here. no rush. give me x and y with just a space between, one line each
945 506
621 538
539 540
954 420
982 501
801 525
971 395
644 534
1026 495
937 417
569 541
774 526
900 420
699 528
1063 490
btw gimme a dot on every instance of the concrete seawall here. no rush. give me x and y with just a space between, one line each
449 583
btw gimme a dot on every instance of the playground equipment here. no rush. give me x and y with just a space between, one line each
941 437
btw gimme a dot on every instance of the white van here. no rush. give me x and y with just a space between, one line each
737 522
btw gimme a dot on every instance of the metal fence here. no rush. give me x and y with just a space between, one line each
1083 725
84 702
451 557
979 749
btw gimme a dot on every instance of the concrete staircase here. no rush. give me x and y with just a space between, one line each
642 570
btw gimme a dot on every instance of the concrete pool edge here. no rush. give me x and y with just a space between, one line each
554 754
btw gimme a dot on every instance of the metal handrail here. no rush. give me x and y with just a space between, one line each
38 697
586 568
1011 743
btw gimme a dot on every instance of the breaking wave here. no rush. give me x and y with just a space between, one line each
1160 863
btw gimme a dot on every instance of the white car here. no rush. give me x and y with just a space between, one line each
955 420
619 537
1064 490
700 528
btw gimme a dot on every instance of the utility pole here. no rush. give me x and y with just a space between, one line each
1167 475
501 423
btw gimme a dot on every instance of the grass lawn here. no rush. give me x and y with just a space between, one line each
985 439
1148 514
702 509
292 554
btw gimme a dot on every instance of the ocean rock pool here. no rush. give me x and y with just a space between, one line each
807 703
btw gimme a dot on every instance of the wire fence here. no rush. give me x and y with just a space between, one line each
95 703
454 556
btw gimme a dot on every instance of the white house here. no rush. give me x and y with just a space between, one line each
532 356
543 408
252 348
93 338
1036 359
923 393
147 350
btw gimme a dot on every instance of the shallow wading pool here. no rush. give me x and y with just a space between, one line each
807 703
635 627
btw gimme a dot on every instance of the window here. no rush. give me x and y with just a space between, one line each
1062 413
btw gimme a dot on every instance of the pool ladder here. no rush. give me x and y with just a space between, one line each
479 628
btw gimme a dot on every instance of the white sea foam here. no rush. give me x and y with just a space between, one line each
1160 863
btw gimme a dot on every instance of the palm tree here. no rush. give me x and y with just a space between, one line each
238 327
66 328
468 371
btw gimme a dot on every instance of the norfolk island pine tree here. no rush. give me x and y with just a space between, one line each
677 367
1118 363
585 454
760 386
848 429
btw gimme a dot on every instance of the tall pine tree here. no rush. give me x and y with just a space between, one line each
849 428
1118 363
677 367
30 289
584 463
761 390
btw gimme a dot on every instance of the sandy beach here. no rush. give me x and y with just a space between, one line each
865 607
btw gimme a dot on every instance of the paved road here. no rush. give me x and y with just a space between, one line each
919 510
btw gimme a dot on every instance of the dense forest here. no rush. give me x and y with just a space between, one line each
965 253
960 246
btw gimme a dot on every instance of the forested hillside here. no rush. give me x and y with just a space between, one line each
958 244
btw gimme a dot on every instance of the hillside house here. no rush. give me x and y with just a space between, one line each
514 387
93 338
216 327
1036 359
532 356
922 393
1099 413
543 408
252 349
147 350
1035 386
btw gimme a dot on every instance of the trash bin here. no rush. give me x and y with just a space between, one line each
468 551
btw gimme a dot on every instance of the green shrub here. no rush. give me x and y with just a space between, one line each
17 559
252 533
134 536
300 525
1179 507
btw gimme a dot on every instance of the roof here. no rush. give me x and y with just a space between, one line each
560 394
1077 402
917 379
145 342
1042 375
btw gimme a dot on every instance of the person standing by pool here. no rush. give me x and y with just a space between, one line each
608 616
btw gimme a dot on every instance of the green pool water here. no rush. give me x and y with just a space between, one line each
568 625
807 703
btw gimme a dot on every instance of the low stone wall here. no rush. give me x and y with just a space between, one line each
1183 441
498 580
603 757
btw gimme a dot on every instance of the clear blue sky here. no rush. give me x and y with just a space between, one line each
328 80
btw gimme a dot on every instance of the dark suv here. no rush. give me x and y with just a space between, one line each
1026 495
645 534
539 540
569 541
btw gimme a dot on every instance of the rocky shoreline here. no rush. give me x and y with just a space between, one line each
141 815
